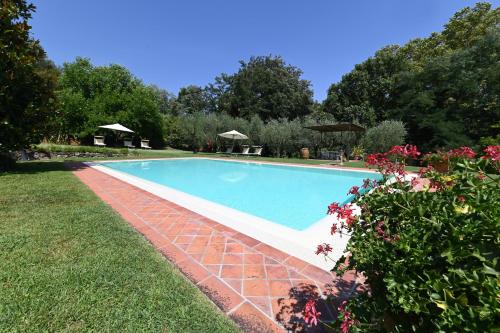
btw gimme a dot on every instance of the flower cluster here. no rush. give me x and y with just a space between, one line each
354 190
462 152
393 162
324 249
492 152
311 315
347 320
408 151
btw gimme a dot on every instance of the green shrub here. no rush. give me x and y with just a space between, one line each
48 148
430 256
385 135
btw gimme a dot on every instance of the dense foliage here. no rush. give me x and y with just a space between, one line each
264 86
91 96
444 87
26 86
385 135
428 248
280 138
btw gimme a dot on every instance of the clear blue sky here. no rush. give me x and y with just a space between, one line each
177 43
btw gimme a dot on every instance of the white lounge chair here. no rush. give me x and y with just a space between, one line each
245 151
128 143
228 151
99 141
257 151
145 144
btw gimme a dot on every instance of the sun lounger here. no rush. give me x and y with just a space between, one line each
245 151
257 151
228 151
145 144
99 141
128 143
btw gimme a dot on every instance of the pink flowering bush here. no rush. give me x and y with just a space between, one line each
428 247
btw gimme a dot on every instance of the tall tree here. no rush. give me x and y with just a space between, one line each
91 96
373 90
26 92
192 99
455 99
263 86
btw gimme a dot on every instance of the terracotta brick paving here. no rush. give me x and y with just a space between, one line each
259 287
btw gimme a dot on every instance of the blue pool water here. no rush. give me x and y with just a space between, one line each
291 196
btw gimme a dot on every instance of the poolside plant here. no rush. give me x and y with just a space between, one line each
427 246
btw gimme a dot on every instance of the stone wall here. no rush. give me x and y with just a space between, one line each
36 155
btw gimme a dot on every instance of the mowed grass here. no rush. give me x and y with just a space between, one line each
69 263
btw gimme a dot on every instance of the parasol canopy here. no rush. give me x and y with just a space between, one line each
235 135
117 127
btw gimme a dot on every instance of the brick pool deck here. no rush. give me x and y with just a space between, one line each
261 288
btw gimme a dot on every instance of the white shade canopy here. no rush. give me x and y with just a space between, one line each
117 127
235 135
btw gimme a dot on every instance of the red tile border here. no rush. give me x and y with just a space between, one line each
252 282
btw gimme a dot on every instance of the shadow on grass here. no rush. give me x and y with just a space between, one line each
35 167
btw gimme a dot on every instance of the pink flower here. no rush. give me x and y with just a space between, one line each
311 315
347 320
354 190
333 208
323 249
464 152
492 152
333 230
461 198
405 151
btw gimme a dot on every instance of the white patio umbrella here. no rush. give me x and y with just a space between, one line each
235 135
117 127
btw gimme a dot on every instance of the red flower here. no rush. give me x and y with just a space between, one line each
492 152
461 198
423 171
347 320
354 190
323 249
376 159
333 230
333 208
311 315
464 152
412 151
405 151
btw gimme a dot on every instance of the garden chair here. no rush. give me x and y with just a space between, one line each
257 151
245 151
128 143
145 144
228 151
99 141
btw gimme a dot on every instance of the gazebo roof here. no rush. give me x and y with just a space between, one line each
339 127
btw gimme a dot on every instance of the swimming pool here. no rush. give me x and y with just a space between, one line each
294 197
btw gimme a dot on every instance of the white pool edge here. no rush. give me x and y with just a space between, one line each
300 244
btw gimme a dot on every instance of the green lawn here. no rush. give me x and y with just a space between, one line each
69 263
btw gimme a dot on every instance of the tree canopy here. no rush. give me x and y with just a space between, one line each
90 96
264 86
443 87
26 79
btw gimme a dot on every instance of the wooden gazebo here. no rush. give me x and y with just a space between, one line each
338 127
